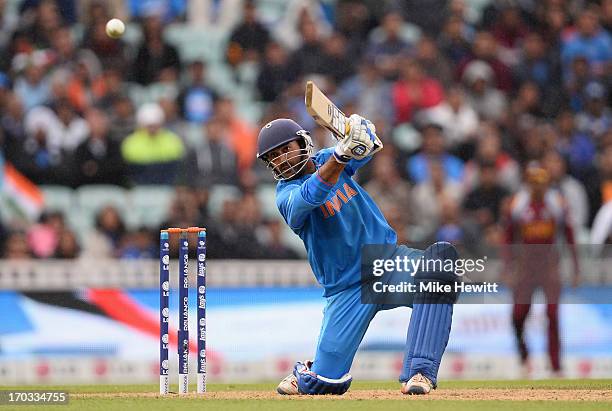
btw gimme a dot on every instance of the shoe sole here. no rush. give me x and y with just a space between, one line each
283 392
416 390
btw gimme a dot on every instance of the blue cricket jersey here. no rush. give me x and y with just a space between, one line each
333 222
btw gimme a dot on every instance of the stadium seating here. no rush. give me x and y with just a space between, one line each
218 195
266 194
93 198
149 205
58 198
197 43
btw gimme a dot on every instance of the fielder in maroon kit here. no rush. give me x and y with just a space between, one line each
535 223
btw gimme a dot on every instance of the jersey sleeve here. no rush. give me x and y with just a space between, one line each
354 165
350 168
296 201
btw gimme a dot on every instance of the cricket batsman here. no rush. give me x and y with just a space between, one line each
335 217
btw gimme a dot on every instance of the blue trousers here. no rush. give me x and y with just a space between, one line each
346 320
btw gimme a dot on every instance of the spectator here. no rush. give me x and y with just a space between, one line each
414 91
66 55
273 242
386 185
366 90
289 31
537 65
337 58
590 41
433 62
309 58
44 237
576 81
122 120
66 9
186 210
138 244
489 103
39 156
112 80
39 25
33 88
152 152
486 49
16 247
452 228
104 241
489 150
457 118
552 23
11 125
509 31
484 202
428 197
355 19
396 216
576 146
273 77
249 39
419 165
72 129
232 236
386 46
85 85
454 42
212 161
420 13
8 24
67 246
155 59
606 15
173 121
596 119
528 103
98 159
242 136
196 100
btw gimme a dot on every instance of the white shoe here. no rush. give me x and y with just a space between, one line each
288 386
417 385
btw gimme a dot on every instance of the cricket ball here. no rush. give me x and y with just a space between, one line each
115 28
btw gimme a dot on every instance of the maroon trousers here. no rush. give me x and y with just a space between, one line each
538 270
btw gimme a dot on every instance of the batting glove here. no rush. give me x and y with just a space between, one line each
357 142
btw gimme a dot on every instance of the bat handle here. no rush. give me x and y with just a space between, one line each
347 130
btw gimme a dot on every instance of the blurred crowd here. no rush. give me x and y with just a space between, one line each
464 94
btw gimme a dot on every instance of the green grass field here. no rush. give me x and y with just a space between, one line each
451 395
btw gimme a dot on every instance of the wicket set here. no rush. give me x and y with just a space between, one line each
183 323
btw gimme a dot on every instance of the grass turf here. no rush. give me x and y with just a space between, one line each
101 397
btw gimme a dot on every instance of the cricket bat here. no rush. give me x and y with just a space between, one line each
325 112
